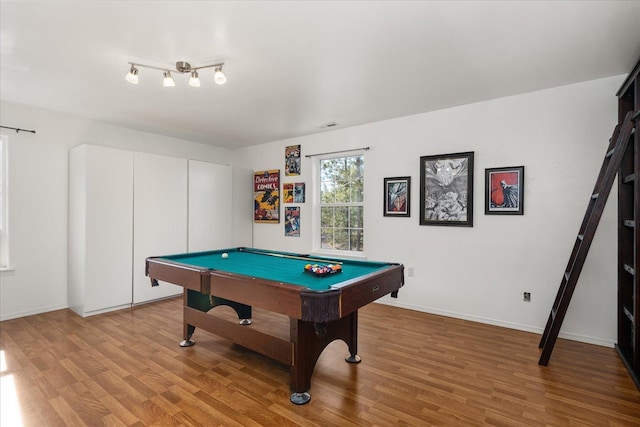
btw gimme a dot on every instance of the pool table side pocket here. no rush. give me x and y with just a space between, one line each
320 307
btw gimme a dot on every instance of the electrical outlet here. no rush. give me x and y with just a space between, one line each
527 296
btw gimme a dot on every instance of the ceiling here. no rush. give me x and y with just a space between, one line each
293 66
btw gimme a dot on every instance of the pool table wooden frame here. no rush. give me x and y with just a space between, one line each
316 317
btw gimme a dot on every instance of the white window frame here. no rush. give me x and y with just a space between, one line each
4 231
316 223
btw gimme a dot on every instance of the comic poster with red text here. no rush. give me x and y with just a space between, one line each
266 196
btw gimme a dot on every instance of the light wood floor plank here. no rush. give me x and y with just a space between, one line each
125 368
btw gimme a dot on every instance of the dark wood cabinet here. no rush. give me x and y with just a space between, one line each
628 345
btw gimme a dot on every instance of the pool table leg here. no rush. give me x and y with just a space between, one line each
309 340
187 333
198 301
352 342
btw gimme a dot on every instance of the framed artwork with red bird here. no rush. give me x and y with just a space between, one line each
504 191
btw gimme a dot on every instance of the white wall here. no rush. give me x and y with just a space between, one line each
560 135
38 198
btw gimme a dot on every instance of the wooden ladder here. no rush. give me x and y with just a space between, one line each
597 202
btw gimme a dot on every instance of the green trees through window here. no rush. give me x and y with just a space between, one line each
341 203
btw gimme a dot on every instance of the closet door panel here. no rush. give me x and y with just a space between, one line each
160 218
242 207
100 228
210 206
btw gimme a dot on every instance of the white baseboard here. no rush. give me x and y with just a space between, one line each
16 315
517 326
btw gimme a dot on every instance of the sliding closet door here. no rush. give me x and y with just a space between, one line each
210 206
160 218
100 229
242 207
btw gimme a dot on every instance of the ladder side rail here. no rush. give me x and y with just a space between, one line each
579 240
635 306
597 188
591 221
565 292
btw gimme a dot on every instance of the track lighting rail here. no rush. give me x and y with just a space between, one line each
181 67
187 68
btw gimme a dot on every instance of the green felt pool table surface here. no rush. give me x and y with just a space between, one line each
277 266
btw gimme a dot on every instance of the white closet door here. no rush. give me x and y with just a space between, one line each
210 206
242 207
160 218
100 228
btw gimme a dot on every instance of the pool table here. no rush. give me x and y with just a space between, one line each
321 308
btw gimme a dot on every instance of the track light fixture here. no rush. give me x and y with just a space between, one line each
168 80
132 76
194 81
219 77
182 68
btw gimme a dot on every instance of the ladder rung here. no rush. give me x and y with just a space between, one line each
629 223
629 269
609 153
629 178
636 115
595 195
628 313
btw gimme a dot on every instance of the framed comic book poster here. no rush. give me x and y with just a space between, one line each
292 160
292 221
298 192
446 189
504 191
266 196
287 192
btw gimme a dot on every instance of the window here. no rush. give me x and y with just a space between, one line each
4 243
341 203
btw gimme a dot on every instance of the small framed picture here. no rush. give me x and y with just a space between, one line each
504 191
446 189
396 196
292 221
298 192
292 160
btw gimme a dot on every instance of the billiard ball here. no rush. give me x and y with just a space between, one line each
225 255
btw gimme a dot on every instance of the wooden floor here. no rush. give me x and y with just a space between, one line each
126 369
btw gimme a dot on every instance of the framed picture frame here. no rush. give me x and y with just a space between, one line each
287 192
397 193
292 221
446 189
266 196
299 192
292 160
504 191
